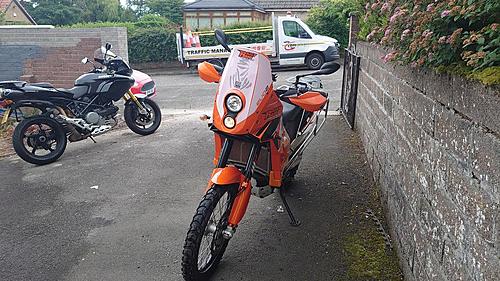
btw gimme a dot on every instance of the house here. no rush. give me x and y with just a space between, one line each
216 13
299 8
15 13
203 14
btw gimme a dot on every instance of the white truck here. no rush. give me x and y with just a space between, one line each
293 43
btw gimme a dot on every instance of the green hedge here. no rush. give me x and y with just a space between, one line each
152 38
154 44
331 18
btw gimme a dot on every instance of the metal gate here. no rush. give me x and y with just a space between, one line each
349 86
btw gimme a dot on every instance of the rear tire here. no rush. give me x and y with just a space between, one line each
143 124
315 60
204 225
39 133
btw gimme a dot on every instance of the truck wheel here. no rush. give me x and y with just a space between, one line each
217 62
314 61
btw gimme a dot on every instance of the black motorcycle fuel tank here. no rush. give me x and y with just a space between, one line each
107 86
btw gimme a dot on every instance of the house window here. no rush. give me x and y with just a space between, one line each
293 29
218 22
203 23
247 14
231 20
191 22
245 19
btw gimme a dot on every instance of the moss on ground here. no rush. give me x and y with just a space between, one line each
369 258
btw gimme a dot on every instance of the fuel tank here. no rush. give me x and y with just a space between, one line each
107 86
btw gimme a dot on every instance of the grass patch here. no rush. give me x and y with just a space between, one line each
368 258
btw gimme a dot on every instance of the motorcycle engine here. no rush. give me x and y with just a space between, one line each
100 116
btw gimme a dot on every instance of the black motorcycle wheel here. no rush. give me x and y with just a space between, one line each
205 245
39 140
143 124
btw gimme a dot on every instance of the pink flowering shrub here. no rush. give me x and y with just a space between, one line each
451 35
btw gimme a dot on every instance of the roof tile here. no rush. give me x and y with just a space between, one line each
286 4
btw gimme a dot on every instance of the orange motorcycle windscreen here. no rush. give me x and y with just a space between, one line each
248 75
310 101
208 73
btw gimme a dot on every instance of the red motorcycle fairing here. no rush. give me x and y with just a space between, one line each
144 85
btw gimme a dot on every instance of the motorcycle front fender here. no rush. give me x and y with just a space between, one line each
227 175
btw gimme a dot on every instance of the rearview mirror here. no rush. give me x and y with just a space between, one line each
85 60
221 37
327 68
108 46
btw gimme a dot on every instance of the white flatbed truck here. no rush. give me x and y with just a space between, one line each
293 44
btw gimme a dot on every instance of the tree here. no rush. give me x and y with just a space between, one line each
170 9
2 17
138 6
330 18
100 10
67 12
56 12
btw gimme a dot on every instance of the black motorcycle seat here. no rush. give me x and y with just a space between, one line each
42 85
291 118
77 91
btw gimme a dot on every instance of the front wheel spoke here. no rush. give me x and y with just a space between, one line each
33 150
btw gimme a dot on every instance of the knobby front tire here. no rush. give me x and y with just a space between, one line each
205 233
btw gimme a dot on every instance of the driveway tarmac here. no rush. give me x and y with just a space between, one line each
120 209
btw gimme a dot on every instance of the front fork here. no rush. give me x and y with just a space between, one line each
130 96
240 203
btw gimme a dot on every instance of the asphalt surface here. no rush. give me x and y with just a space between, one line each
120 209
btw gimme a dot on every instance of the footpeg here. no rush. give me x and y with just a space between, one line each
293 220
228 233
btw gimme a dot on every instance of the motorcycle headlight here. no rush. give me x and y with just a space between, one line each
234 103
229 122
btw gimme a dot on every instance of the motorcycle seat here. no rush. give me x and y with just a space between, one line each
291 118
77 91
42 85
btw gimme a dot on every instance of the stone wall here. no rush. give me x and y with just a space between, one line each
54 54
433 142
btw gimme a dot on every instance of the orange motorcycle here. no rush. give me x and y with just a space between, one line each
260 135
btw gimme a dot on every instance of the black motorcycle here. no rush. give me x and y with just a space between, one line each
84 111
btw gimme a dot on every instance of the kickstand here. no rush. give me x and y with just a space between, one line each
293 220
92 139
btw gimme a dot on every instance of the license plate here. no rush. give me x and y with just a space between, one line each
5 116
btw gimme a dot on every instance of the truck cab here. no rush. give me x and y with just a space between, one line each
298 44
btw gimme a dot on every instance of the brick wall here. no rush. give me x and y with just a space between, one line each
54 54
433 142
